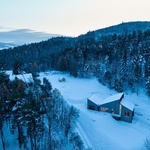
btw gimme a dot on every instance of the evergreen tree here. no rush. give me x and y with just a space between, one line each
107 78
148 86
4 80
118 85
62 63
17 67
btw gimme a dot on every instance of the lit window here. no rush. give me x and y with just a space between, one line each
92 107
112 111
127 113
104 109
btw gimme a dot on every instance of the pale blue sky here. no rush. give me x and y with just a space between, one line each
71 17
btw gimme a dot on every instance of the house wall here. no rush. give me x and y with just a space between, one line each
123 114
91 105
113 107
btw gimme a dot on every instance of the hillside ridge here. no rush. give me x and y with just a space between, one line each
125 28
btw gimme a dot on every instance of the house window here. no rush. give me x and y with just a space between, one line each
104 109
127 114
120 109
92 107
112 111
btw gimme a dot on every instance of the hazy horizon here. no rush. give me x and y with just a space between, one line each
70 18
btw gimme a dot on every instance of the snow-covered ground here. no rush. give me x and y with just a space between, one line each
99 130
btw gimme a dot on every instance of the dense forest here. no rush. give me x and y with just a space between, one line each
119 61
37 115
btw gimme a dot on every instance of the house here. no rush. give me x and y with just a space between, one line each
25 77
116 105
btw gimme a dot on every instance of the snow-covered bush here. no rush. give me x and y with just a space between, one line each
62 79
147 143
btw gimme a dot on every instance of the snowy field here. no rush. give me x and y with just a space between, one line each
98 130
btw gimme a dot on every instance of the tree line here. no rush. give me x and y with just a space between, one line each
38 115
119 61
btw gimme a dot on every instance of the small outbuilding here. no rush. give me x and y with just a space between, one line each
25 77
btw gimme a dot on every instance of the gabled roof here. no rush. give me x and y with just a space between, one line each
26 77
112 98
127 104
95 99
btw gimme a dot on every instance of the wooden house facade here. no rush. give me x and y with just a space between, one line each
111 104
127 111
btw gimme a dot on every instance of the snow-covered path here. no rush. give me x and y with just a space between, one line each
83 135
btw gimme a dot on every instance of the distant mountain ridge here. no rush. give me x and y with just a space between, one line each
18 37
124 28
22 36
6 45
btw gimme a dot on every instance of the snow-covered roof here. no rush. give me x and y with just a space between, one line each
127 104
26 77
95 99
111 98
9 72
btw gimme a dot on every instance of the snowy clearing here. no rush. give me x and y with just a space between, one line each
99 130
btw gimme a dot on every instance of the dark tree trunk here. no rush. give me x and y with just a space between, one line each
31 142
2 138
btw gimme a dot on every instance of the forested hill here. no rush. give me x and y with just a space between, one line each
119 56
125 28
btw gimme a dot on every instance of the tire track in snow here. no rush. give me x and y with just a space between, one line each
84 136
